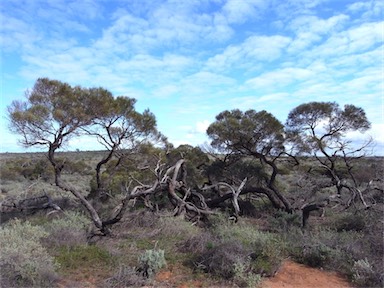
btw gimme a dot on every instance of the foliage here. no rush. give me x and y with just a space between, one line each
31 169
237 252
125 277
23 259
350 222
247 132
54 111
282 221
151 261
363 274
80 167
220 260
328 120
245 278
69 230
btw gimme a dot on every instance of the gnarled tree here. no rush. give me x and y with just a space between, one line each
256 134
55 111
320 129
121 129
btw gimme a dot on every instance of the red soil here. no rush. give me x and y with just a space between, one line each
294 275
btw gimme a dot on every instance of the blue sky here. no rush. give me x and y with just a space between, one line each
188 60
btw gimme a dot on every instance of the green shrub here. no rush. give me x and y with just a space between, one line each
283 221
350 222
363 274
23 259
151 261
238 252
221 259
79 167
316 255
245 278
69 230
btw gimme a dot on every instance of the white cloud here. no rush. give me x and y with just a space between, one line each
238 11
252 50
279 78
368 9
202 126
354 40
316 25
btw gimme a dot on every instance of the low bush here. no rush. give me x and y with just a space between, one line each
125 277
151 261
68 230
199 243
222 258
363 274
282 221
350 222
316 255
237 252
245 278
24 262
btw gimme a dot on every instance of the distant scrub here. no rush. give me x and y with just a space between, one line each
30 169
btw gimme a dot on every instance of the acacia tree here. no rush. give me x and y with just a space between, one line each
121 130
320 129
256 134
54 112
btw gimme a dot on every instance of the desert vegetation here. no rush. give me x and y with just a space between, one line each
260 193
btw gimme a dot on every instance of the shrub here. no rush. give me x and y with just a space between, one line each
350 222
245 278
238 252
363 274
151 261
283 221
125 277
23 260
221 259
199 243
316 255
69 230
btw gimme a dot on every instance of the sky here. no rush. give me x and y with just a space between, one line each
189 60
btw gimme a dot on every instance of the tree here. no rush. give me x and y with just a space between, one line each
54 112
256 134
320 129
121 129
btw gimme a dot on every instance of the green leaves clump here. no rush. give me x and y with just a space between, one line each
151 261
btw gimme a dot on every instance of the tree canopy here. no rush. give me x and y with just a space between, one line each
316 126
250 132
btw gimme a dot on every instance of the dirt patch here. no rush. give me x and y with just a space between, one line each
294 275
290 275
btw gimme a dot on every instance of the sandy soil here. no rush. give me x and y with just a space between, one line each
290 275
294 275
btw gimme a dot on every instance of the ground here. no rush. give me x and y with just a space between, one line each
290 275
294 275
